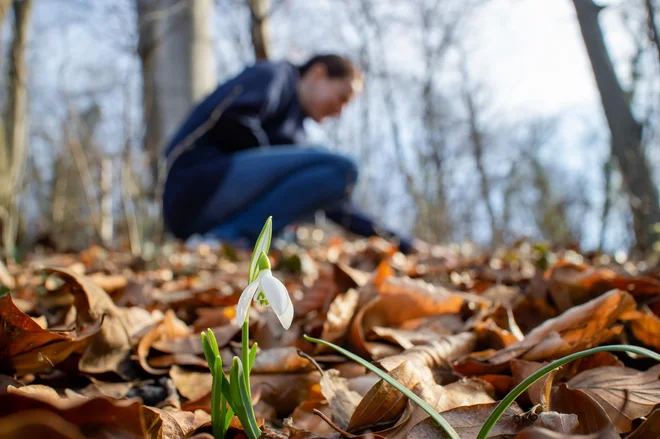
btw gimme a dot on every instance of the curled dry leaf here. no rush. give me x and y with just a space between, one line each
650 428
338 319
26 347
170 328
433 359
645 327
383 404
386 310
111 345
573 284
99 414
166 424
579 328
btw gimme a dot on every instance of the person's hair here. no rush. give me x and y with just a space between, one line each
336 66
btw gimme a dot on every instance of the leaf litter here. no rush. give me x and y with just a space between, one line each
100 345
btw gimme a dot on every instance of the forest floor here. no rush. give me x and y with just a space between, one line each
101 344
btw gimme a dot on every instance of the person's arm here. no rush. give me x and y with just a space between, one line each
351 218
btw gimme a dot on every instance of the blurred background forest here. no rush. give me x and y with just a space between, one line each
481 121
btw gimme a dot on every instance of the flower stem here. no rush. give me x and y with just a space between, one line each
520 388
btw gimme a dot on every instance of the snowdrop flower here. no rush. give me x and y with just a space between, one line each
267 291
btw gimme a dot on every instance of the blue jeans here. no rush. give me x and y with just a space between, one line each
288 183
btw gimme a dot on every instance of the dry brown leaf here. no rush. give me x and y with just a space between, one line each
303 418
170 328
191 385
625 394
592 418
39 423
461 393
521 369
383 404
646 328
27 347
342 401
543 433
650 428
573 284
280 360
564 423
468 420
109 347
435 358
397 302
579 328
165 424
339 316
98 414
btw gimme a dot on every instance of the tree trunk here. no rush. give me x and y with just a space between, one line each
4 8
178 68
625 131
477 140
14 145
259 14
652 27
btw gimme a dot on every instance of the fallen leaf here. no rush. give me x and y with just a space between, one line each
564 423
343 401
592 418
650 428
468 420
26 347
625 394
579 328
99 415
169 328
339 316
191 385
164 424
112 344
646 328
433 359
543 433
383 404
280 360
303 419
386 309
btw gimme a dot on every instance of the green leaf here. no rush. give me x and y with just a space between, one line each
253 355
213 343
262 245
208 351
217 402
520 388
246 412
416 399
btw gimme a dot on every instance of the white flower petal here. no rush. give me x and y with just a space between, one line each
286 317
243 306
275 291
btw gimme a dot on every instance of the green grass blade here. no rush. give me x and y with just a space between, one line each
520 388
416 399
